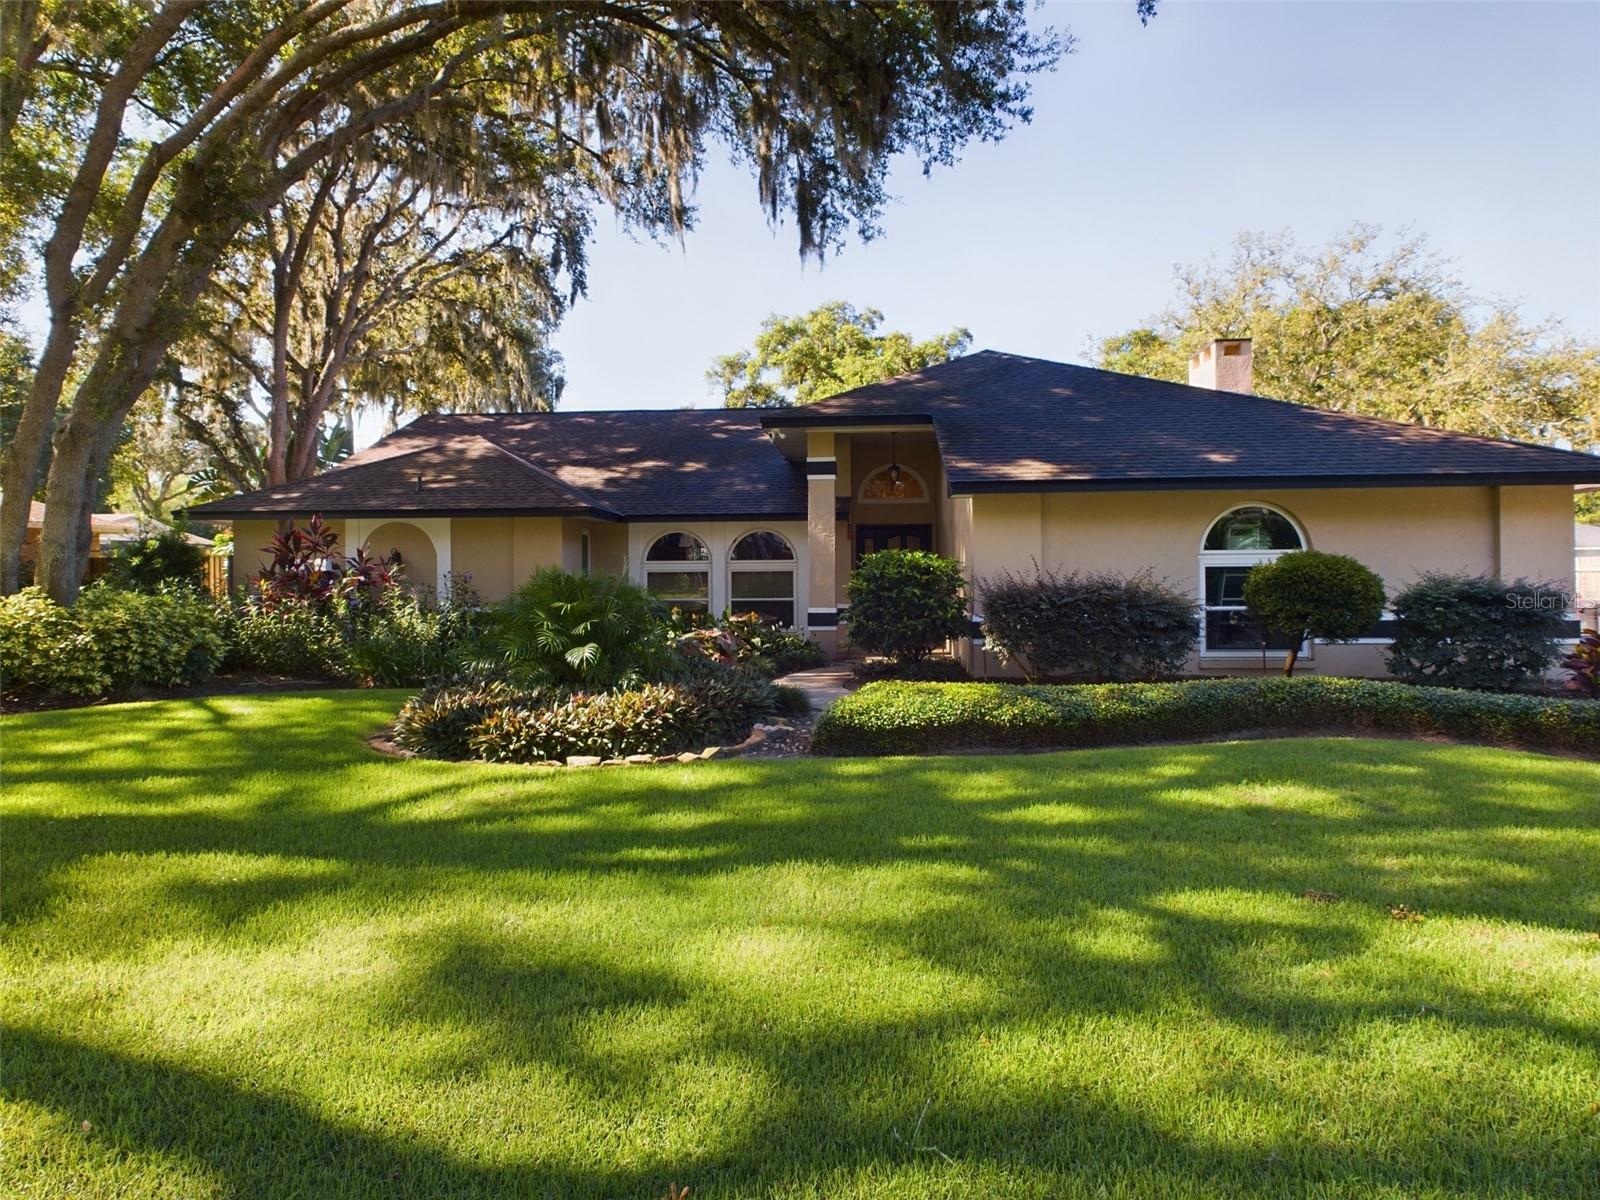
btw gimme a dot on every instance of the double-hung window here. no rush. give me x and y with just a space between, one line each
1237 541
761 570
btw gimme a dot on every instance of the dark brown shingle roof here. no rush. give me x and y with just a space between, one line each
669 464
1010 423
1004 423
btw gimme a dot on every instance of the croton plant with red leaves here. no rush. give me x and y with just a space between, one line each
1583 665
307 569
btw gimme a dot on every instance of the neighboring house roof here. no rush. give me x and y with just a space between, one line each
658 464
114 527
1004 423
1010 423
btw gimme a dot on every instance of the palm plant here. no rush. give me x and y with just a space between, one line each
579 632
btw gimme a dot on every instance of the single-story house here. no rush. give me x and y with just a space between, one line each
997 460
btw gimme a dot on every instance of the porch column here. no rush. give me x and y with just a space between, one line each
822 608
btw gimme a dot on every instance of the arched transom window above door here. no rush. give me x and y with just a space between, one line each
761 577
678 571
894 484
1238 540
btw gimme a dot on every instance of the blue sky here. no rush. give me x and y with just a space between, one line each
1478 124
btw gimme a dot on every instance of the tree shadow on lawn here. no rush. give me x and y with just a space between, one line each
1016 864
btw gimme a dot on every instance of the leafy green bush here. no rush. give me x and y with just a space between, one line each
154 562
744 638
381 637
1308 594
726 700
906 603
932 669
1476 631
569 630
704 704
111 640
289 637
1087 626
438 722
169 639
791 701
657 718
910 718
46 647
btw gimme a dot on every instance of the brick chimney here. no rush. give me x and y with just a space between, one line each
1223 364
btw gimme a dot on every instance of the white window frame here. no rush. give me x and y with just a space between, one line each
680 566
1240 558
911 472
768 565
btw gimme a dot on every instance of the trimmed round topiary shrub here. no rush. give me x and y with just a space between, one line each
1476 631
906 603
1307 594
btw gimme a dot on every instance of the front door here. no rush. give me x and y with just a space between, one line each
871 538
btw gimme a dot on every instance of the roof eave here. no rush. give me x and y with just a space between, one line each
220 512
971 486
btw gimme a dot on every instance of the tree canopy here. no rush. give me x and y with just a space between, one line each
831 349
139 143
1378 326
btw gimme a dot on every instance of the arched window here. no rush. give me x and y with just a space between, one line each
678 571
761 570
894 484
1240 539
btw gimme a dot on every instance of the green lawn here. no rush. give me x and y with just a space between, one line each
245 956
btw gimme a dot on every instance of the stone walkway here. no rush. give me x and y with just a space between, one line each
822 685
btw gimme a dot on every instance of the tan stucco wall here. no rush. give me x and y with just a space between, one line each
1399 532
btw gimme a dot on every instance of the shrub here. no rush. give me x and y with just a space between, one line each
654 719
288 637
1308 594
1583 665
906 603
745 638
111 640
165 640
903 718
728 700
932 669
791 701
1086 626
1475 631
154 562
569 630
438 722
501 722
44 646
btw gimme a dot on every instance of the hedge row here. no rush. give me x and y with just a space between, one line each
923 718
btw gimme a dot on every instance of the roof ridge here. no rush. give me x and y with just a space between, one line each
576 493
